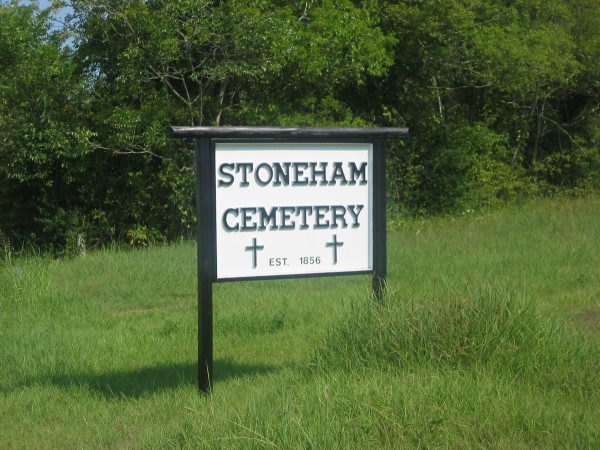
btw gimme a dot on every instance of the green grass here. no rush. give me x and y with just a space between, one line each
489 338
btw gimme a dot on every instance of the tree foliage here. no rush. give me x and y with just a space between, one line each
502 99
44 141
490 92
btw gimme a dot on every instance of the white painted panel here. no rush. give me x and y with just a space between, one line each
293 209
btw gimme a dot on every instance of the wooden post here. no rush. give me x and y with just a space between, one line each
379 222
204 214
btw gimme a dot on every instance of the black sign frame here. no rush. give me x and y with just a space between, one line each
205 139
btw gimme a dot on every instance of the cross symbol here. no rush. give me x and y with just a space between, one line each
254 248
334 244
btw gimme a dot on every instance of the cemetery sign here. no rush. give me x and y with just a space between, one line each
276 202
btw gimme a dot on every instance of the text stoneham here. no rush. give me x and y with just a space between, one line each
293 174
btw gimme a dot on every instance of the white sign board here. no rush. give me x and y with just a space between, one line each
293 209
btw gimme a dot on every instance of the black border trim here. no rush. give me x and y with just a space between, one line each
314 140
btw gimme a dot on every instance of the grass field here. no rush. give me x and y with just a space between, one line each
489 338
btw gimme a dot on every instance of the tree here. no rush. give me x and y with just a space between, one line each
502 98
155 63
43 139
481 86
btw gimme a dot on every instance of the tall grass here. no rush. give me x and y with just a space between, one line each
488 338
484 328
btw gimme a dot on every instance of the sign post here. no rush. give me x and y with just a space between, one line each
204 214
286 203
379 221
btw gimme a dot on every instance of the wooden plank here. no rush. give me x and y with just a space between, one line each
285 132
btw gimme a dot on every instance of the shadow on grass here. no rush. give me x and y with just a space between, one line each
149 380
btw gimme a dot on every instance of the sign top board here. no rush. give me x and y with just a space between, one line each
286 133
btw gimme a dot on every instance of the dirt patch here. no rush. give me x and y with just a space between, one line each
590 318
